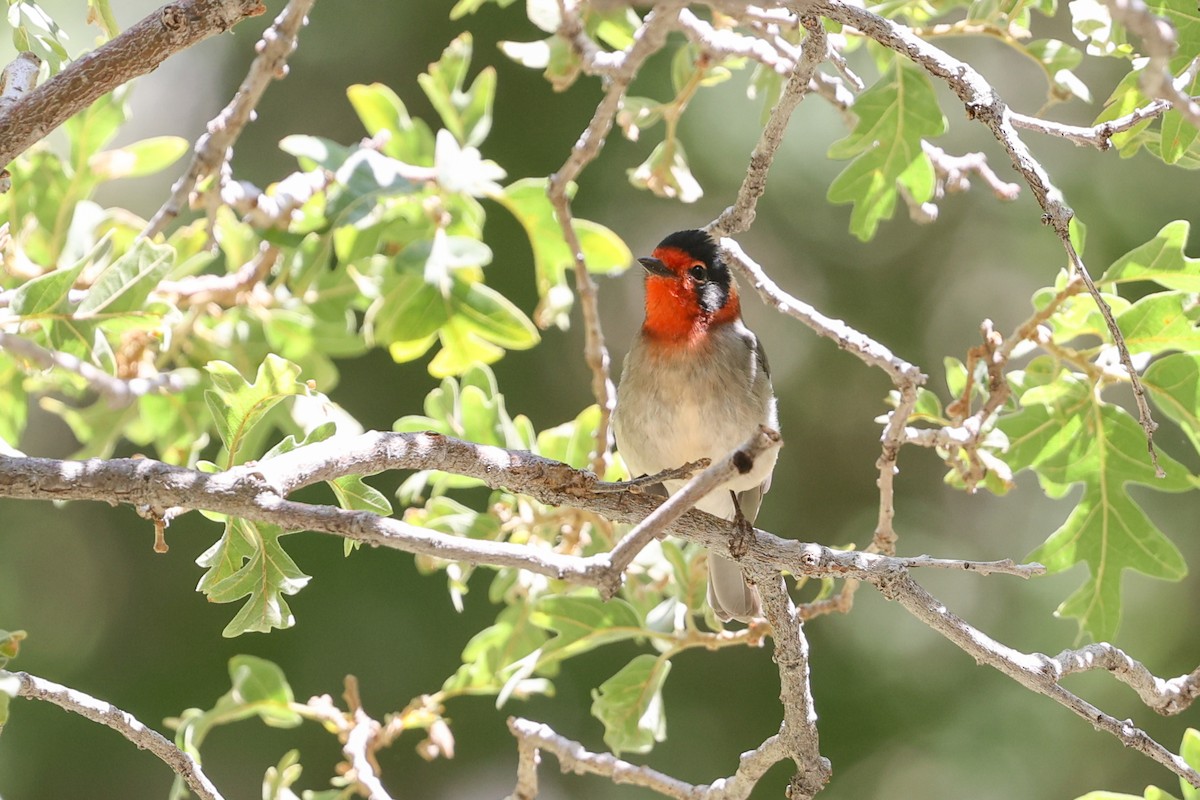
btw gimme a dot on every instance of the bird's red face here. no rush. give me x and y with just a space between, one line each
688 289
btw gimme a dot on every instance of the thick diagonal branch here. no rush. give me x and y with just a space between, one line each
257 492
140 49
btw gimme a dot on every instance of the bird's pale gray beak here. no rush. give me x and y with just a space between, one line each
655 267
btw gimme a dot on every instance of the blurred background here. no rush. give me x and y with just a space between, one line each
903 713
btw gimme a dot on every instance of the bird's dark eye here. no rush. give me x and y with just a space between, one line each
698 273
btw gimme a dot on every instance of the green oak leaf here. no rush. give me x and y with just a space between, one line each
145 157
1185 19
1075 438
603 250
571 442
1174 384
1189 750
258 688
248 561
584 622
125 284
237 406
1178 135
492 316
381 109
495 648
353 494
466 113
1159 322
470 408
1125 98
894 116
630 705
1161 260
46 294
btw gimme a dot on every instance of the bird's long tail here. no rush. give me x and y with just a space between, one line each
728 593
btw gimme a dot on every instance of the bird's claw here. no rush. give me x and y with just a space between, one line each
743 530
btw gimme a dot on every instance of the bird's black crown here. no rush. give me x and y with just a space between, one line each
696 242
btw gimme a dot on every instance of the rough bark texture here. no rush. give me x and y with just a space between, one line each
140 49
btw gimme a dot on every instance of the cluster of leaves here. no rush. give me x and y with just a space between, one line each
1058 423
543 622
387 250
895 115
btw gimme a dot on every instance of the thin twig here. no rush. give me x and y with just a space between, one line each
227 290
1003 567
1167 697
1099 135
573 757
1145 419
117 391
618 70
884 540
1032 671
214 148
740 216
122 722
953 173
729 43
864 347
357 750
1160 42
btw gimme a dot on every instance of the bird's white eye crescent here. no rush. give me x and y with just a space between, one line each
698 272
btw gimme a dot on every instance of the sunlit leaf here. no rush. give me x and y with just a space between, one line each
465 113
125 284
381 109
1174 384
603 250
1078 439
1161 260
894 116
630 705
258 688
140 158
1159 322
248 561
493 316
237 405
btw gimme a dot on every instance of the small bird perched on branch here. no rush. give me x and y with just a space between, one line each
696 385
